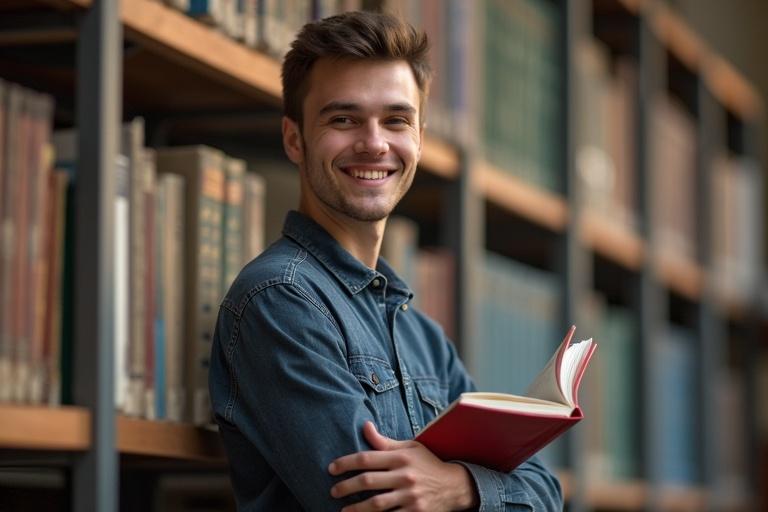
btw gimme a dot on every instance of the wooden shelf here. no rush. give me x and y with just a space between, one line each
179 65
44 428
729 87
513 194
680 275
683 499
167 440
440 158
680 40
631 495
611 240
26 427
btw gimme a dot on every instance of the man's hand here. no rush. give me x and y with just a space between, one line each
415 478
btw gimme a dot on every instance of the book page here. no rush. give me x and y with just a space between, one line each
546 385
517 403
572 359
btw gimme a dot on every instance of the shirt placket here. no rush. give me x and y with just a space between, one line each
400 306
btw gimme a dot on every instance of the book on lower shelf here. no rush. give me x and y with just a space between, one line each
500 431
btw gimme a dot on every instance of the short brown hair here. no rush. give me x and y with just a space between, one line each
352 35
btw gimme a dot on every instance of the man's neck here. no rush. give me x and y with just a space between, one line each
361 239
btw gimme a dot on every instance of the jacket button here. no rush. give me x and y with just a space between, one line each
375 379
404 307
376 283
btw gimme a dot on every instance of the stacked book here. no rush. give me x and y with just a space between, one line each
186 221
606 133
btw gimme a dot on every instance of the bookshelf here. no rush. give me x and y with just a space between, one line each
175 65
67 429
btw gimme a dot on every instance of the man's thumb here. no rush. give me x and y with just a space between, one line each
378 441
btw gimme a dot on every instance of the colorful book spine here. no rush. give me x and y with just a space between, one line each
203 170
253 216
232 224
132 146
171 282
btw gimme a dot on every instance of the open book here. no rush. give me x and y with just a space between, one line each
501 431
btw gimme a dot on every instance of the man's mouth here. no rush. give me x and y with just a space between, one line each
368 174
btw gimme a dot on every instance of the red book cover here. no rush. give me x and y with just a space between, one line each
502 431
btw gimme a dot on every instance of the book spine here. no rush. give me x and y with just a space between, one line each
122 279
39 255
133 141
53 334
20 328
173 274
161 294
148 172
253 217
209 280
232 223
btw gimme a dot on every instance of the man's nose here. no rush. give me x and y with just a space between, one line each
372 139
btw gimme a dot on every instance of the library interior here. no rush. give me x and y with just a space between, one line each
592 162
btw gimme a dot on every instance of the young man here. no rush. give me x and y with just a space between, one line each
321 373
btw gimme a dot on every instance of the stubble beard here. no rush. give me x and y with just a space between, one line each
332 197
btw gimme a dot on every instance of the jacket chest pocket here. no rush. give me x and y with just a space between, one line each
432 398
382 389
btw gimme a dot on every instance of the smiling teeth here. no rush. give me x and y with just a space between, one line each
369 175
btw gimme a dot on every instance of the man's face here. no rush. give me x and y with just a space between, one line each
361 137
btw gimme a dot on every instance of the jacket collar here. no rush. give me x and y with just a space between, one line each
350 271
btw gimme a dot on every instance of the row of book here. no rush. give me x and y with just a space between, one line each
518 323
521 108
611 394
606 133
31 204
269 26
186 220
737 210
266 25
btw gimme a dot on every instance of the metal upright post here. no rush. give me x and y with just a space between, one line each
711 332
752 135
99 79
651 299
574 263
464 231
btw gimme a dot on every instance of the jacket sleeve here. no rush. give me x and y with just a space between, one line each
281 388
530 486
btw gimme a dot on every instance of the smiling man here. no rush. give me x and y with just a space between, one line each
321 373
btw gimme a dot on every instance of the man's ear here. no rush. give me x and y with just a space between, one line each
292 141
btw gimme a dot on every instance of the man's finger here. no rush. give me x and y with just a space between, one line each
385 501
368 481
366 461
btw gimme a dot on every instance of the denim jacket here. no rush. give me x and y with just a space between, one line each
309 344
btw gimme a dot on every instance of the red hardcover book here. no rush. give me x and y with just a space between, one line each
500 431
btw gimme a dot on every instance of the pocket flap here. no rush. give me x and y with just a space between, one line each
431 392
374 373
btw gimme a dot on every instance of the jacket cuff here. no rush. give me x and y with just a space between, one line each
491 492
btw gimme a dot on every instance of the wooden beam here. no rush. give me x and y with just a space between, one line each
513 194
44 428
613 241
167 440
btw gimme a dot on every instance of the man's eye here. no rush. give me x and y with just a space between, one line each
397 120
342 120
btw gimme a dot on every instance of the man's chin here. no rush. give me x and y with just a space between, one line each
367 214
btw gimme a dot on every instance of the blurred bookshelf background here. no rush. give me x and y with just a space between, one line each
597 162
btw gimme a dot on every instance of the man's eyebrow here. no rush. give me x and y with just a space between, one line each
401 107
344 106
340 106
